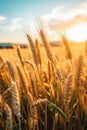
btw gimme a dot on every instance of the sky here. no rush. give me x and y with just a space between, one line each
19 16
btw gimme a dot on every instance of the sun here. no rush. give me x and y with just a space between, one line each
78 32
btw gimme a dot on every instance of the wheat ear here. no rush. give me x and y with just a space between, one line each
39 59
68 92
67 48
46 45
78 71
16 101
32 48
19 55
11 69
9 124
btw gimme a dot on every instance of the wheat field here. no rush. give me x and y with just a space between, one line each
43 87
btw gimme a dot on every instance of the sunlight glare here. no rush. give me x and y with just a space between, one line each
78 33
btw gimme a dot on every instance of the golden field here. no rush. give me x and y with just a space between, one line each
44 87
76 48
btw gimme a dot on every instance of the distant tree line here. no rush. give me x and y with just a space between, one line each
10 45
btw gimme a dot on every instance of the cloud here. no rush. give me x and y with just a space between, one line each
66 16
58 13
2 18
15 25
12 30
56 24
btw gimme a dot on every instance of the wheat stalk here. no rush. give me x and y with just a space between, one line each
30 63
39 101
86 48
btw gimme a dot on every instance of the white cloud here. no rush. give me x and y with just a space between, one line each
15 25
59 13
2 18
66 15
12 31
